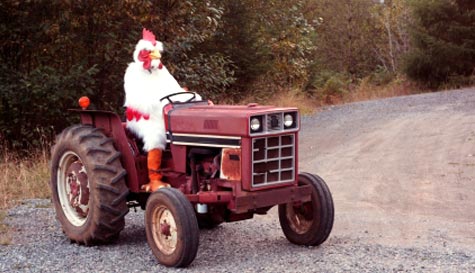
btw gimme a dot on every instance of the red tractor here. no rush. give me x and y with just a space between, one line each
224 163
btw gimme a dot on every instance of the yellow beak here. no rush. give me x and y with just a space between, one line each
155 54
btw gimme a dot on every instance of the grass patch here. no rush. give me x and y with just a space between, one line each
44 205
294 98
367 90
23 177
4 230
309 101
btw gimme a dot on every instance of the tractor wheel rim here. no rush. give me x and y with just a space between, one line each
300 217
73 188
164 230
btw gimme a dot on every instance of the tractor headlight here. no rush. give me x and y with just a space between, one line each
288 120
255 124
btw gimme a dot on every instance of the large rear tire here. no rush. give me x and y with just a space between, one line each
171 228
309 223
88 185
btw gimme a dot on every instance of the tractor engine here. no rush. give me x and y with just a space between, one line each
252 145
204 166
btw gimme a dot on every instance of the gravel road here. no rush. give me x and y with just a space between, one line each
402 174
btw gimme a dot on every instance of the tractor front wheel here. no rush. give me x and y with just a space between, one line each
88 185
171 228
308 223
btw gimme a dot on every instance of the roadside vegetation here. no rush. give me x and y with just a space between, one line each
23 177
4 231
312 51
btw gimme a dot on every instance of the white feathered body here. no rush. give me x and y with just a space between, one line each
143 91
146 81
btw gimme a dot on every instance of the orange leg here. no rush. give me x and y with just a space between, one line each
154 159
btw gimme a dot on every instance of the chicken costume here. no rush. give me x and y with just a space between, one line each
146 81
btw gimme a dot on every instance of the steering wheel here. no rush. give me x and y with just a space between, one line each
193 96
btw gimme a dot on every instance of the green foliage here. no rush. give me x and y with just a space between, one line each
336 85
209 75
268 42
329 83
390 39
33 105
289 37
345 37
53 52
444 42
381 76
184 27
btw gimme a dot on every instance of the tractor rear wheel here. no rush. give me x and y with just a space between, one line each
308 223
88 185
171 228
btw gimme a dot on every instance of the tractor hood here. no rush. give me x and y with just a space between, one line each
230 120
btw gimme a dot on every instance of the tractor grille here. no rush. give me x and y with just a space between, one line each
273 160
274 122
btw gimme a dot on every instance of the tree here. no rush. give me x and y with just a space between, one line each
268 42
53 52
184 27
443 39
344 36
391 39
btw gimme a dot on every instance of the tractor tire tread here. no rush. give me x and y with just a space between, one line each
321 228
113 158
118 177
109 209
106 141
119 217
327 206
94 150
108 190
184 217
106 168
121 198
85 137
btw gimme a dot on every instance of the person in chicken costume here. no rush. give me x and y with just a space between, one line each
146 81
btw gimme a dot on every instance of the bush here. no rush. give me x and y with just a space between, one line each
209 75
328 84
444 42
381 77
53 52
33 106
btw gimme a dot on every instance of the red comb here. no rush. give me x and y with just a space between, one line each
148 36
